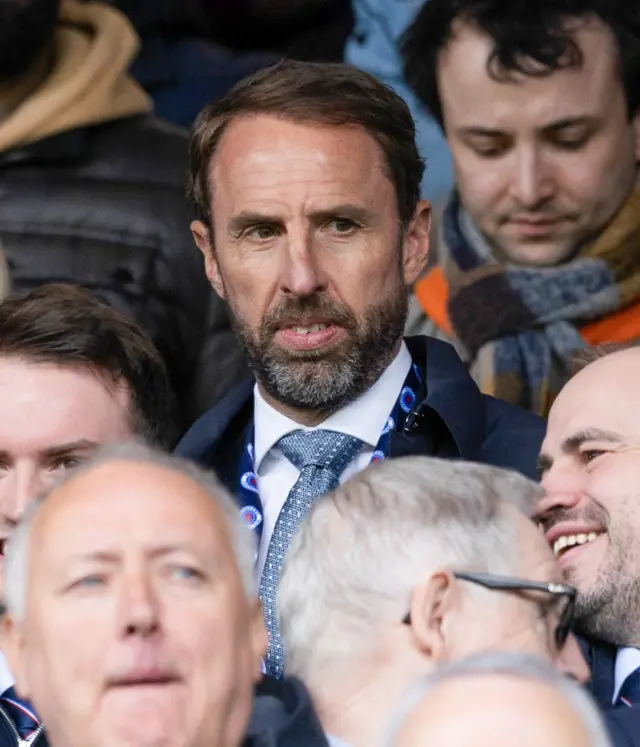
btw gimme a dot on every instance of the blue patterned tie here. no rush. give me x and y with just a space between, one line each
21 713
321 456
630 691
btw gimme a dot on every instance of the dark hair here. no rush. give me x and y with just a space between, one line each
530 37
66 325
26 30
586 357
320 93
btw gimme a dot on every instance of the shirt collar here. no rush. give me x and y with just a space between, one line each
6 677
363 418
627 661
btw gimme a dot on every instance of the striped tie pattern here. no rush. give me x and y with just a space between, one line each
321 456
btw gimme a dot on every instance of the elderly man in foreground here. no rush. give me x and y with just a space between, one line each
132 619
412 563
509 698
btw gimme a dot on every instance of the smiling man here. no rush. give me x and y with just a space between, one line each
539 247
306 182
590 465
132 620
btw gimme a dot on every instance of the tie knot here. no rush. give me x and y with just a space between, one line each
320 448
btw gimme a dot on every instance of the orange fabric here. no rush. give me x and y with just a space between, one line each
432 293
623 326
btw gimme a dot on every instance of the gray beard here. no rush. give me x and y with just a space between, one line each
331 381
610 611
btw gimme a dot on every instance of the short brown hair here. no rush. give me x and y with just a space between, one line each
66 325
320 93
585 357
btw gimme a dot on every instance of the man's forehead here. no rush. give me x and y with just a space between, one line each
467 60
603 397
128 501
264 138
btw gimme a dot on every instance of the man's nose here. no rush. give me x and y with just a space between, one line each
571 661
302 274
139 605
531 182
17 491
563 487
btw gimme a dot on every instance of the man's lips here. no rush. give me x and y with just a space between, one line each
566 536
534 226
309 336
144 677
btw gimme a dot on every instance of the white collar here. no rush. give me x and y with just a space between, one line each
6 676
627 661
364 418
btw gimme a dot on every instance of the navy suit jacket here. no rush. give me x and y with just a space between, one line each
623 723
454 420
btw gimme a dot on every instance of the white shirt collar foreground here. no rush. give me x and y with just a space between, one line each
627 661
364 418
7 679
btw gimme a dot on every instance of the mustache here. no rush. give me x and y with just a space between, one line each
303 310
591 513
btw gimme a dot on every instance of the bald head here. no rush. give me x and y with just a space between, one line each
134 599
499 711
506 699
590 465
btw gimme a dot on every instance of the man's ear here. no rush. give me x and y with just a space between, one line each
430 604
259 637
12 645
415 245
204 242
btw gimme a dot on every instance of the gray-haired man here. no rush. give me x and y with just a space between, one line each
411 563
132 619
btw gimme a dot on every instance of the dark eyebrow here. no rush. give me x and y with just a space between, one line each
481 131
82 444
573 444
562 124
246 219
355 213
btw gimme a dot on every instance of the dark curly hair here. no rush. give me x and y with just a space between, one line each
530 37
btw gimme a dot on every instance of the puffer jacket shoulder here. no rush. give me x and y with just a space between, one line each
104 206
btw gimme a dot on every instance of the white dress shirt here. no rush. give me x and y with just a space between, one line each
6 676
627 661
365 419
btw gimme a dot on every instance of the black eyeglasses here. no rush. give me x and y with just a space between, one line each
566 596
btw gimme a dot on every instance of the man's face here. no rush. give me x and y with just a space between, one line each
516 621
499 711
137 630
51 418
25 27
309 253
590 463
542 163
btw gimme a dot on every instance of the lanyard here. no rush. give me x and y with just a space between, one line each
247 493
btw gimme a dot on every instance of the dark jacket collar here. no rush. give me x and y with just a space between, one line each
601 658
283 716
451 396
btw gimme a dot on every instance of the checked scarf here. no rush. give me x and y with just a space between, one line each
520 327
